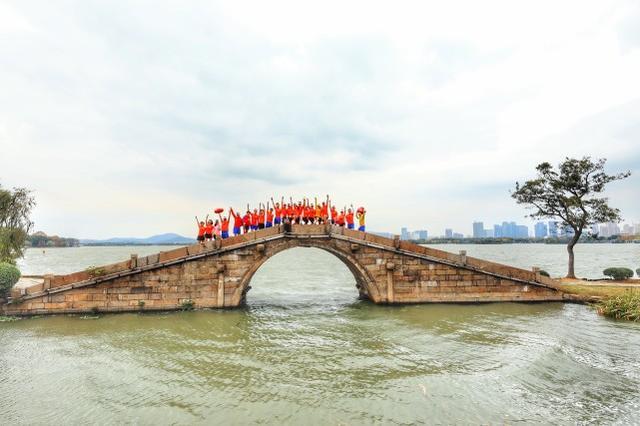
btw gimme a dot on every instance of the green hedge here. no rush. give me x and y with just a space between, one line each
618 273
9 276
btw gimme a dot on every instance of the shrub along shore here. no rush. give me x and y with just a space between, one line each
624 306
611 298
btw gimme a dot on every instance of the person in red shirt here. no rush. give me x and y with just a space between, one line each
324 212
317 212
349 218
269 217
254 220
246 221
224 226
334 215
261 219
280 212
201 230
298 212
340 218
306 214
237 222
208 230
311 214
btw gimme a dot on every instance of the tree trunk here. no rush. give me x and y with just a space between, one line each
571 272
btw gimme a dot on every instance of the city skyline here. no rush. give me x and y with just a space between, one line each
539 229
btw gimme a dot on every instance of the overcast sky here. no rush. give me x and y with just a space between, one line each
127 118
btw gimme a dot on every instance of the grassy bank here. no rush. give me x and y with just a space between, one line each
624 306
590 290
613 299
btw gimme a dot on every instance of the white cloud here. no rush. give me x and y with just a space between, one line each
127 119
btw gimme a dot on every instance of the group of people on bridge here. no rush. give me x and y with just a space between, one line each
275 213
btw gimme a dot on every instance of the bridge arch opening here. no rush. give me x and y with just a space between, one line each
304 275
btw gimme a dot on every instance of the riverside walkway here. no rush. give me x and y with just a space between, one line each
217 275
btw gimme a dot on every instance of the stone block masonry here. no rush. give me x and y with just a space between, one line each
386 271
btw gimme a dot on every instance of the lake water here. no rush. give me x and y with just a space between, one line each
591 259
305 351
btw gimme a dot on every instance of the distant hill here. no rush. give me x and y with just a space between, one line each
162 239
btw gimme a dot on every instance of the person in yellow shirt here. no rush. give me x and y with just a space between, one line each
360 216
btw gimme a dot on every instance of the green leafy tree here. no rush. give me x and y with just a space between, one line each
9 276
15 222
570 193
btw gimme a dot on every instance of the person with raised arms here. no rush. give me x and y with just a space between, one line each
334 214
261 214
208 230
237 222
340 218
270 218
277 220
246 221
325 210
317 211
224 226
254 220
360 216
201 230
349 218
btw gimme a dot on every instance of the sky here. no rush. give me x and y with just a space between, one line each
127 118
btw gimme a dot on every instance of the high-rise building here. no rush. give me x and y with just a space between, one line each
404 234
636 229
448 233
627 229
540 230
553 229
488 233
497 231
478 230
422 234
594 229
457 235
522 231
609 229
509 230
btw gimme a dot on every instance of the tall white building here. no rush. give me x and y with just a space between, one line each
609 229
478 230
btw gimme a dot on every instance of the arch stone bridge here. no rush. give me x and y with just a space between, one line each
217 275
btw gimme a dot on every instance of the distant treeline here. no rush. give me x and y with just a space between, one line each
128 244
587 240
40 239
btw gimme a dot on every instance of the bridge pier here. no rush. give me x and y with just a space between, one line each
220 297
390 266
